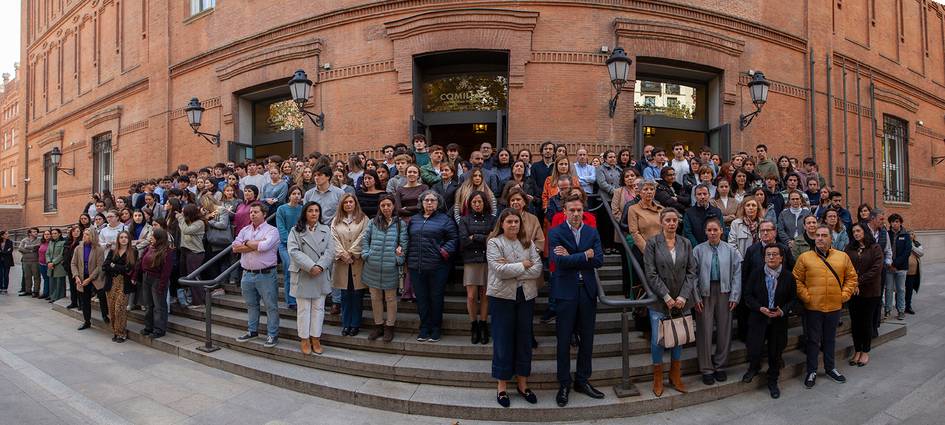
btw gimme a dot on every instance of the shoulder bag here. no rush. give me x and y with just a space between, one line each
676 331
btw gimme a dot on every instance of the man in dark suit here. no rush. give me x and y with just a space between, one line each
576 251
754 260
770 295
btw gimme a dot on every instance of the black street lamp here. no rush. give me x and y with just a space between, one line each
300 87
758 87
194 112
55 157
618 65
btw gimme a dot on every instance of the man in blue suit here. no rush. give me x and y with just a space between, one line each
575 251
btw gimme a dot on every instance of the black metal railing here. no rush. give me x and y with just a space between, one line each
193 281
625 388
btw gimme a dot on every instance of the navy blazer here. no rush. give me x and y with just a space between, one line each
755 293
567 267
901 248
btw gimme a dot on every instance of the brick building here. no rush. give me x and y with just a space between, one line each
857 84
11 133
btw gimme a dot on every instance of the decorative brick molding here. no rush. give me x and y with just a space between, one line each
670 31
457 29
778 87
925 131
133 127
568 57
269 56
102 116
896 98
213 102
51 137
356 71
851 109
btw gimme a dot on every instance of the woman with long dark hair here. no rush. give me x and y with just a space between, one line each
503 166
44 264
474 229
382 249
785 169
192 229
369 193
474 182
153 272
518 179
56 262
73 239
407 196
6 261
624 159
117 267
867 258
311 249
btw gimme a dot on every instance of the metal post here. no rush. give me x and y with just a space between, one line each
873 125
846 150
208 346
830 120
625 388
859 127
813 109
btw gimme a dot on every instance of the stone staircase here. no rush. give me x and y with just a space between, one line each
451 378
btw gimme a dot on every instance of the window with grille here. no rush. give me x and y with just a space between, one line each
102 162
895 159
50 184
197 6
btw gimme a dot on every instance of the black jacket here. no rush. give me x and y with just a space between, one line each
694 222
431 241
755 260
6 253
474 231
672 196
901 248
755 293
448 192
117 266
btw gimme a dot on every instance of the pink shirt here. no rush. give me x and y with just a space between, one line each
43 247
265 254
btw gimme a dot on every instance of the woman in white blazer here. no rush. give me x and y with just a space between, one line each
744 231
311 250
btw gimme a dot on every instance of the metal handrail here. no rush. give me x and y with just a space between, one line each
208 285
625 388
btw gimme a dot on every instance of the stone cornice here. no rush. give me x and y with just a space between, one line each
670 31
102 116
896 98
461 18
778 87
51 137
269 56
213 102
568 57
889 80
356 71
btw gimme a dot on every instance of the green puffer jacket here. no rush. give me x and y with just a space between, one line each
382 267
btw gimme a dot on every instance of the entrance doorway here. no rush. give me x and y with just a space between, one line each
461 97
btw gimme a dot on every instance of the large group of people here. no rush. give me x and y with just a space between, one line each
739 245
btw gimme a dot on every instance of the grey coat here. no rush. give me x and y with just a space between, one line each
668 279
730 270
306 250
29 249
608 178
790 225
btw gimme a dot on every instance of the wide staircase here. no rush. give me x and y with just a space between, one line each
452 378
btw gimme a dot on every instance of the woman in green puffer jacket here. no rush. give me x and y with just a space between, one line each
383 247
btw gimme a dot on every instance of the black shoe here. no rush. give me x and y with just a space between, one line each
748 376
562 398
773 389
85 326
114 338
534 343
708 379
503 399
810 380
72 306
588 390
909 310
720 376
528 395
483 332
345 331
836 375
434 336
354 331
474 333
156 335
548 317
245 337
120 339
146 332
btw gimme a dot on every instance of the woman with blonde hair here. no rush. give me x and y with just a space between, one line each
117 267
745 228
347 229
550 188
643 217
475 182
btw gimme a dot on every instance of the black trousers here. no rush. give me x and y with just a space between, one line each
761 329
862 315
85 299
511 336
911 281
575 316
821 331
73 292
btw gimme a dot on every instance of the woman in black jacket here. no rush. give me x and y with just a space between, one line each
447 185
118 265
73 240
474 229
6 261
867 258
431 243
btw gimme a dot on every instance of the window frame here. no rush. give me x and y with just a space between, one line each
895 159
201 6
50 185
102 160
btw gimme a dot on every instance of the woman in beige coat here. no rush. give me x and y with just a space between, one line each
347 229
89 280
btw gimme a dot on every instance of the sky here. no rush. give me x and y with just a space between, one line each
9 34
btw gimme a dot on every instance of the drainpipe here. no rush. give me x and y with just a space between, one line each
830 119
846 156
813 108
859 127
873 126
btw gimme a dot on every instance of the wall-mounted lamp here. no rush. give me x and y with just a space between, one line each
55 157
300 87
618 65
194 112
758 87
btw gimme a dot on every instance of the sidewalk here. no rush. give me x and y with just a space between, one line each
50 373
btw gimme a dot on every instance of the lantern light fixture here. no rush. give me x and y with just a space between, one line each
618 66
758 88
300 88
194 112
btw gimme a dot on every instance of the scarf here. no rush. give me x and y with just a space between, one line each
795 211
774 273
752 226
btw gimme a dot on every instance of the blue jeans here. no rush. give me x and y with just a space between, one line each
428 285
656 350
44 272
265 287
284 256
896 281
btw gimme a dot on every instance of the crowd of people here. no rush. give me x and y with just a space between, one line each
738 245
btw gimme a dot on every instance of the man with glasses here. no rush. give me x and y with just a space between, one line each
754 260
29 260
645 161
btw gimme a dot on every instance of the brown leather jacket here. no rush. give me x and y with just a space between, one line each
869 269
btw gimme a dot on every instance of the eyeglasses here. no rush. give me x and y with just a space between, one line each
772 255
767 230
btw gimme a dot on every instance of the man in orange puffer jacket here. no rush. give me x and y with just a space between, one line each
825 279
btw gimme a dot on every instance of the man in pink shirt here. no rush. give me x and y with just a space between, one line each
258 244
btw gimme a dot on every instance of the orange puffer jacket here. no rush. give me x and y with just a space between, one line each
817 288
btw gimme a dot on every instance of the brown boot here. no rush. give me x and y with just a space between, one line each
658 380
306 346
675 376
316 346
388 333
376 332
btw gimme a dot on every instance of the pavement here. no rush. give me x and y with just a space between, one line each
50 373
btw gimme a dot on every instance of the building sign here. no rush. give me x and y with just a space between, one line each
460 93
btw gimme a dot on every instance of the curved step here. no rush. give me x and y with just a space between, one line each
466 402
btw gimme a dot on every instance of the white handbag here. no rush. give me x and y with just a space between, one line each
676 331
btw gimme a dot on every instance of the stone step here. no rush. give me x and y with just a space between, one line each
466 401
